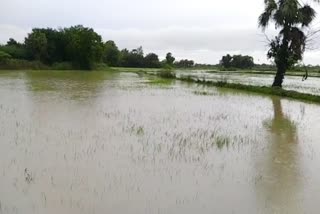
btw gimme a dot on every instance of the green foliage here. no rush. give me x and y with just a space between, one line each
62 66
257 89
36 45
100 67
17 64
151 60
184 63
167 66
17 51
84 46
170 59
111 54
133 58
79 47
4 56
12 42
226 61
237 61
291 17
168 74
206 66
56 43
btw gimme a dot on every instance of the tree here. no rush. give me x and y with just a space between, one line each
133 58
151 61
36 44
170 59
56 45
184 63
111 54
84 46
15 49
291 17
237 61
243 62
138 51
124 58
226 61
12 42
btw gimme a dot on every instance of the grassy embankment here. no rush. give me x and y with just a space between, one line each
250 88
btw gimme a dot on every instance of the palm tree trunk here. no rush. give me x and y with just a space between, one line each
283 56
278 80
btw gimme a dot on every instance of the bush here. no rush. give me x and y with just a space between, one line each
16 64
100 67
167 67
4 56
168 74
62 66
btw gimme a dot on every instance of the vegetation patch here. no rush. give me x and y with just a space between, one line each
167 74
258 89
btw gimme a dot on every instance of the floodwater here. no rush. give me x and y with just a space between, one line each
310 86
95 142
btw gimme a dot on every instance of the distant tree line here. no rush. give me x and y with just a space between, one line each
79 47
237 61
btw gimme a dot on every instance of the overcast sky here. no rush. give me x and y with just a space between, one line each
202 30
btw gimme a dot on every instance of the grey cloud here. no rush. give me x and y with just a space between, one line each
188 38
202 30
11 31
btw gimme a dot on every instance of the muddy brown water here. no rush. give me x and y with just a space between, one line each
80 142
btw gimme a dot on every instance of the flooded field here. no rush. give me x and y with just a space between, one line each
310 86
97 142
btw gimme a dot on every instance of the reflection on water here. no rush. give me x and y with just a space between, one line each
119 143
282 128
83 85
279 186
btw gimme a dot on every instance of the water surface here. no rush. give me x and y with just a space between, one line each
311 85
96 142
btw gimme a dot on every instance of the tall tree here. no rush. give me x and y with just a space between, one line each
56 43
151 60
12 42
84 46
291 17
36 44
226 61
170 59
133 58
111 55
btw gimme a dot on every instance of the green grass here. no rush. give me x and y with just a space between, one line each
257 89
167 74
256 72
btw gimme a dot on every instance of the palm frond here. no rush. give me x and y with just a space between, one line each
307 15
264 19
289 10
270 8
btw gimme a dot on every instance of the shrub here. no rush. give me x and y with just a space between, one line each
62 66
4 56
168 74
16 64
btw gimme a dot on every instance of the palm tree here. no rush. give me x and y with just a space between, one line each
292 17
